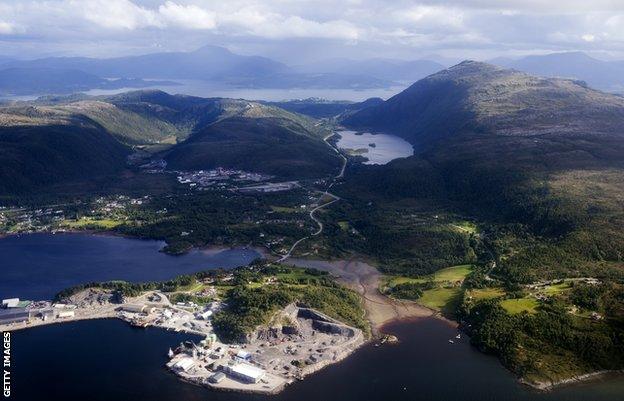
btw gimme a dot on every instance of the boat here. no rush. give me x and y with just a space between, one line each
451 341
458 336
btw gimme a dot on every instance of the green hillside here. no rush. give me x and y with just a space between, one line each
270 145
32 157
538 163
61 139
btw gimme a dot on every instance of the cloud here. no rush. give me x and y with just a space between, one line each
187 16
488 27
7 28
271 25
115 14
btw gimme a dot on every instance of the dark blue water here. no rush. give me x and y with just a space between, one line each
109 360
37 266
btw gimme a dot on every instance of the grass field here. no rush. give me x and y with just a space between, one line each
440 299
519 305
344 225
283 209
87 222
466 226
478 294
555 288
450 274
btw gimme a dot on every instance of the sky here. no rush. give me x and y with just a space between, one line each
298 31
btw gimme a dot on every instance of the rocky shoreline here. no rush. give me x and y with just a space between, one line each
546 386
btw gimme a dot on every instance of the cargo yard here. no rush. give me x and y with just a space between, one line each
298 341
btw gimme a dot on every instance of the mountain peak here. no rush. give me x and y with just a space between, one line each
476 97
212 50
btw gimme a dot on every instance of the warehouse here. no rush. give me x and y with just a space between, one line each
66 314
44 314
216 377
14 315
184 364
10 303
135 308
246 373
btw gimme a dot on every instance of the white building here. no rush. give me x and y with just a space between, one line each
10 303
204 315
135 308
243 355
184 364
246 373
66 314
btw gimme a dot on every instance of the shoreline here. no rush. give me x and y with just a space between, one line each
586 378
358 275
209 250
364 279
186 321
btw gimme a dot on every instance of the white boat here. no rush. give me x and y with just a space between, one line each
452 342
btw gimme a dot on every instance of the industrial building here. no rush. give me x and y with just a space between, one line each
184 364
204 315
14 315
134 308
10 303
66 314
43 314
243 355
245 372
216 377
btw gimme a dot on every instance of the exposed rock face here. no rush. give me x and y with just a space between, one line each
325 323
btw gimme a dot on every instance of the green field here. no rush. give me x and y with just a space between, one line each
450 274
466 226
283 209
555 288
519 305
478 294
344 225
89 222
440 299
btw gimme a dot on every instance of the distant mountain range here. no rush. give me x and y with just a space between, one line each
603 75
386 69
57 75
44 80
223 68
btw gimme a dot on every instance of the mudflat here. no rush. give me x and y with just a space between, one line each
366 279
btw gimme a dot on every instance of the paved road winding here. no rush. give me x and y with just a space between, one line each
319 207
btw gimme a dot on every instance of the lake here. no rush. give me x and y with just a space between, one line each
210 89
37 266
110 360
386 149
